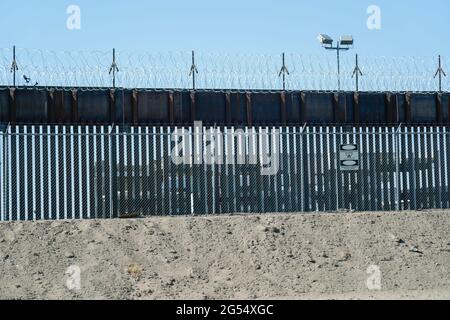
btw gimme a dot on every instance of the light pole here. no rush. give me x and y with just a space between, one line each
345 44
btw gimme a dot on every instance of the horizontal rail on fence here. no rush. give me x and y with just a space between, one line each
382 131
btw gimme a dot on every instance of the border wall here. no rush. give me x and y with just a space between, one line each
63 106
83 172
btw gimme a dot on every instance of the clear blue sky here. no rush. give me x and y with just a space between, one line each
408 27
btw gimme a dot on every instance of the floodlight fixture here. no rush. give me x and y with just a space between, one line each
346 41
325 39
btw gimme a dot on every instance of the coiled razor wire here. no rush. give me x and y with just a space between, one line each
219 71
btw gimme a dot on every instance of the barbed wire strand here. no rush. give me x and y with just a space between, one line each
220 71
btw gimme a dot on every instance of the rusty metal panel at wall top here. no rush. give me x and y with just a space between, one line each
166 107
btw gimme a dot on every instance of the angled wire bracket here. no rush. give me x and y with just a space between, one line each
14 66
284 70
440 71
357 71
113 67
193 67
192 70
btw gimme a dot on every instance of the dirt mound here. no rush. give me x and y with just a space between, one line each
324 256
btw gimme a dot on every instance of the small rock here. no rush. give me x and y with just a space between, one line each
70 255
415 249
396 239
6 257
2 240
344 256
135 270
275 230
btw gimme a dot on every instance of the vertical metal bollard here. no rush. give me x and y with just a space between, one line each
2 182
302 170
113 173
6 176
415 136
397 168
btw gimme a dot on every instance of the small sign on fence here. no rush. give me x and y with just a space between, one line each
349 157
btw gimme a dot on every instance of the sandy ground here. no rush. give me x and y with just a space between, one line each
276 256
